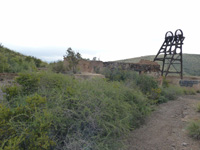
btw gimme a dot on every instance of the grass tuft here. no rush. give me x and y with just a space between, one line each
194 129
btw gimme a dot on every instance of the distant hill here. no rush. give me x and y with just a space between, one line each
13 62
191 63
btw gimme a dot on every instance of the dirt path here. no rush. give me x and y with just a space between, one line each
165 128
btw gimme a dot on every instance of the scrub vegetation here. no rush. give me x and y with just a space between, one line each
48 110
45 110
13 62
194 126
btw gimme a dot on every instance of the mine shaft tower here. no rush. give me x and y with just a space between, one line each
170 54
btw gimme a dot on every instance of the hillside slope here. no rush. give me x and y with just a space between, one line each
191 63
13 62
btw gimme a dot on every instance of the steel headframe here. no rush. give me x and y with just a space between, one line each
170 53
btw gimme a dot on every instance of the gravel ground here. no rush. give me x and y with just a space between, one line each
165 129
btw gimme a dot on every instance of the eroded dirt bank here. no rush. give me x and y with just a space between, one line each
165 128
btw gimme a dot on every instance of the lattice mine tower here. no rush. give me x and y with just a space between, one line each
170 54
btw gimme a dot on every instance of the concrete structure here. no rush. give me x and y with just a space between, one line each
188 82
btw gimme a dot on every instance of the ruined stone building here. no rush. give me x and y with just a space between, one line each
144 66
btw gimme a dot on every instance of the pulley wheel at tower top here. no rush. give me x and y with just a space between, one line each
169 36
179 33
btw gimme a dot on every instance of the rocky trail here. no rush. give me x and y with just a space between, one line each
165 128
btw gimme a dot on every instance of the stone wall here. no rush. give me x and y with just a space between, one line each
90 66
87 65
144 66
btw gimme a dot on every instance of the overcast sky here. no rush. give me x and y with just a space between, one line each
106 29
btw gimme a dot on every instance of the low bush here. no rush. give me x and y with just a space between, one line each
189 91
119 74
11 91
57 67
194 129
144 82
165 83
28 81
172 92
25 127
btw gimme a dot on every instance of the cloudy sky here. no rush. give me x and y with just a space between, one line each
106 29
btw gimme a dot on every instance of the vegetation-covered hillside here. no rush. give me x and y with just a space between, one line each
46 111
50 111
191 63
13 62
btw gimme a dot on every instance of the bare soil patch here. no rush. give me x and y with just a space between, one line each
165 128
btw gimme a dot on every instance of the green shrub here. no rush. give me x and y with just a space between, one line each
118 74
165 83
11 91
154 94
162 99
35 101
189 91
146 83
172 92
58 67
28 81
194 129
25 127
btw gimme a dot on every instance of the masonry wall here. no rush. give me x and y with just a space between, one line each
140 67
87 65
144 66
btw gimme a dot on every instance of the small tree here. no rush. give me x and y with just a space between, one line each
73 59
94 59
1 46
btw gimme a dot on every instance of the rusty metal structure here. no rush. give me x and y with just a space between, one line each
170 54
